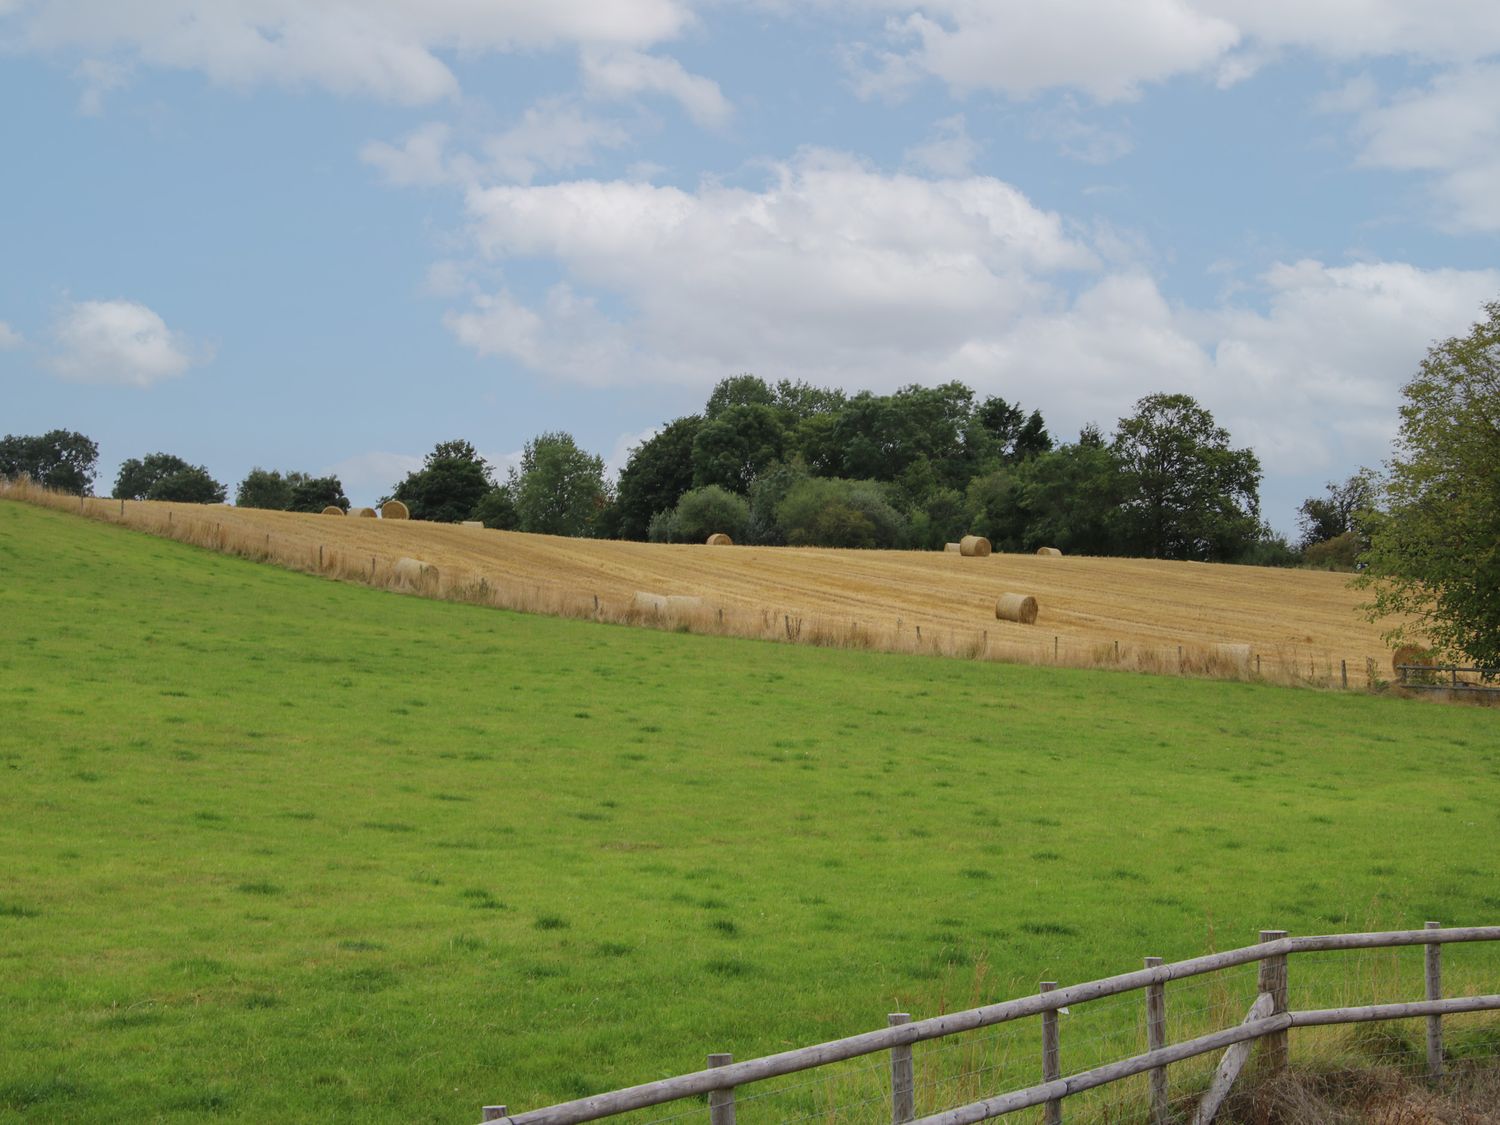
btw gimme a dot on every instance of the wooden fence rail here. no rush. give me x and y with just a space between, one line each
1444 677
1268 1022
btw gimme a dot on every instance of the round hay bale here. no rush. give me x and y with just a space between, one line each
950 548
414 574
472 523
643 602
1238 656
362 513
1049 552
1020 608
333 510
719 539
394 510
974 547
1410 655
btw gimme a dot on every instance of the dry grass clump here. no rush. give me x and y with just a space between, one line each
394 510
1468 1095
1049 552
719 539
974 547
1020 608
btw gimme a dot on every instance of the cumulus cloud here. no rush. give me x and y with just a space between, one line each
117 342
9 337
1449 129
623 73
947 151
386 49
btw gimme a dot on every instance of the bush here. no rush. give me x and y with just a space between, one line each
1339 553
832 512
704 511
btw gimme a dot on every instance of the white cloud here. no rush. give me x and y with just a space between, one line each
1451 130
420 160
947 151
100 77
386 49
622 73
368 476
119 342
9 337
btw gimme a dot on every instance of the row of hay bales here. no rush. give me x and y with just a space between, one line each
390 510
978 547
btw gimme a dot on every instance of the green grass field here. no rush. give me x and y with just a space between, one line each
276 848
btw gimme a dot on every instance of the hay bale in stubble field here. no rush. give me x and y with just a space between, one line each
950 548
1237 656
1411 655
472 523
333 510
1049 552
1020 608
362 513
394 510
719 539
414 574
643 602
974 547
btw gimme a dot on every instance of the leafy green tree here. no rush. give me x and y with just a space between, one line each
704 511
798 400
559 489
995 505
766 494
60 459
833 512
659 471
449 485
190 485
1011 433
165 476
1435 556
1339 553
1188 495
733 447
738 390
497 509
1327 517
1073 495
264 488
313 494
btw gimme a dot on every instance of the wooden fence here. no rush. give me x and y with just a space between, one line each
1446 677
1267 1023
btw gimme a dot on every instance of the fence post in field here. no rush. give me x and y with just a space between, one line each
720 1102
1156 1038
1054 647
903 1082
1434 974
493 1113
1273 980
1051 1063
320 556
1257 663
1344 673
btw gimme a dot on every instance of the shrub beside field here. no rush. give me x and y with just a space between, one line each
283 848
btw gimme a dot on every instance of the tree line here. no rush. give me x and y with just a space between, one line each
788 463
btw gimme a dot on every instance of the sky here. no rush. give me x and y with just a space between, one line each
323 236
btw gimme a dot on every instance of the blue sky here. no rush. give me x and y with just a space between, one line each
326 236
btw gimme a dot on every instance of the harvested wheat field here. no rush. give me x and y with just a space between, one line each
1145 614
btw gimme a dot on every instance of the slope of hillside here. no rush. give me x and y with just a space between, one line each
1301 624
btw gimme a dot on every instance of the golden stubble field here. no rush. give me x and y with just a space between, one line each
1139 613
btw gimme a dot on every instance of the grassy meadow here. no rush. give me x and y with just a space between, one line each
274 847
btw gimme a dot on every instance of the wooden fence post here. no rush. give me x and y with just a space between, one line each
1156 1038
903 1082
1273 980
1257 663
1344 673
1051 1062
493 1113
320 556
1434 974
721 1102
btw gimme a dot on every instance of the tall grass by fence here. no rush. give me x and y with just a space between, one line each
1161 1044
217 528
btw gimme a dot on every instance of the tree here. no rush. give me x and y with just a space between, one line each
704 511
165 476
659 471
1434 557
559 489
59 459
451 482
738 390
1187 494
1074 495
264 488
736 445
313 494
832 512
1327 517
497 509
